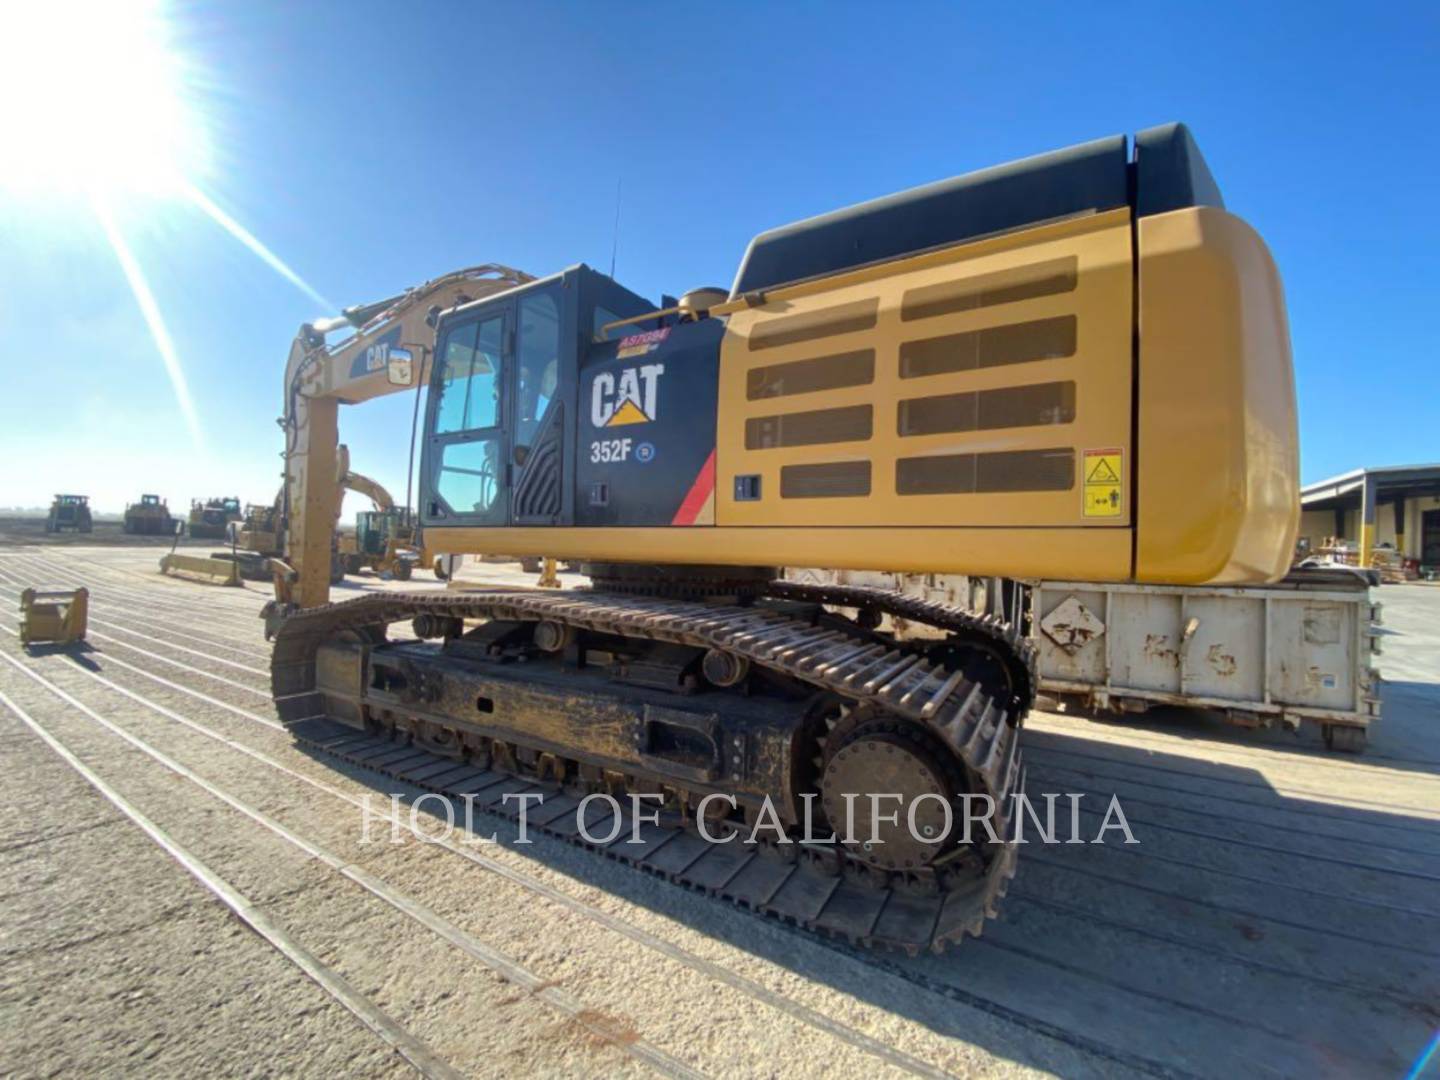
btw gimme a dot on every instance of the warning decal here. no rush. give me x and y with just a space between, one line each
1104 474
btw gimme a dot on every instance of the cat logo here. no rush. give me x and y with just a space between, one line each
633 400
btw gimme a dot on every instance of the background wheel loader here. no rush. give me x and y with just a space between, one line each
384 539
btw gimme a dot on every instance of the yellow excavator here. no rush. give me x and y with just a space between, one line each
384 538
1073 366
210 519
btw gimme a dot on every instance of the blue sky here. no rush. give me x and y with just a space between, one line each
372 147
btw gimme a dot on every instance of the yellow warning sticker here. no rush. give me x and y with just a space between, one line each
1104 474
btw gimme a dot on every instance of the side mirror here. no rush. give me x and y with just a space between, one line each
400 366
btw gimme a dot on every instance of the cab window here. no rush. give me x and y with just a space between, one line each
603 316
470 378
469 479
539 361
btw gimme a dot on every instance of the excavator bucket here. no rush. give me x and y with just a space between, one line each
56 616
210 570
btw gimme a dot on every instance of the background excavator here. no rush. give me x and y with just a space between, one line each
210 519
384 539
1073 366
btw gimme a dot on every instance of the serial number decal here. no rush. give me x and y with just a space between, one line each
609 450
640 344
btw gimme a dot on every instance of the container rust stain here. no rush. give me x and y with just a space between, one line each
1157 647
1223 663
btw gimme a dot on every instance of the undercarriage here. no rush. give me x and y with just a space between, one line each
759 740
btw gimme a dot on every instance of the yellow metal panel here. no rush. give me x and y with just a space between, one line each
217 571
1212 467
1091 554
1218 452
834 319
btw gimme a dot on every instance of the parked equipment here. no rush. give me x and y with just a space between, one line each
210 518
380 541
258 532
149 517
212 570
54 616
256 539
69 512
1073 366
1299 650
384 539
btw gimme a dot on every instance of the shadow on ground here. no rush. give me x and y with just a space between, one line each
1247 930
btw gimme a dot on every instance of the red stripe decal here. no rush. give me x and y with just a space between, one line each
698 493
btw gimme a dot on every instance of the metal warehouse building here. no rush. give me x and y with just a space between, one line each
1396 505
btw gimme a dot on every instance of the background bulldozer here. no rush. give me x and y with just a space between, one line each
69 512
208 519
149 517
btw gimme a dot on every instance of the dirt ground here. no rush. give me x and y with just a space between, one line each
19 531
1278 915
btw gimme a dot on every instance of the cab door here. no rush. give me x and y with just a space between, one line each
467 451
537 420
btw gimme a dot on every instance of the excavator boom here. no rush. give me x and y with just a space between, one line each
390 350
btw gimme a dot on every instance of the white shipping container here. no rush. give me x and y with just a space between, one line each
1299 650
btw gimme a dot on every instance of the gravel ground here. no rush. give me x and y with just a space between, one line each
1274 917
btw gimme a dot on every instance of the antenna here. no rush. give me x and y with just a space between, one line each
615 242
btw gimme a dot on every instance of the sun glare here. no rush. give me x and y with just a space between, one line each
95 97
98 102
150 312
252 242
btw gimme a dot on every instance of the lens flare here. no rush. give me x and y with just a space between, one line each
100 102
150 310
239 232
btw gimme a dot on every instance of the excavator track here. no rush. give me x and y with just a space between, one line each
1005 641
897 700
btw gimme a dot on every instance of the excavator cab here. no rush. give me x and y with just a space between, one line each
211 518
505 389
375 529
